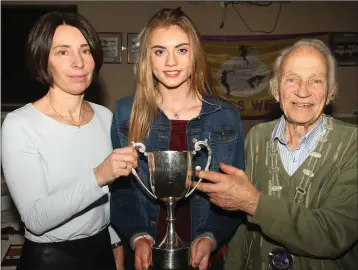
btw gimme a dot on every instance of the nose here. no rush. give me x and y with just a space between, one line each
171 59
303 90
78 61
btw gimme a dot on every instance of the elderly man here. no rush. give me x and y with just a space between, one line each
300 186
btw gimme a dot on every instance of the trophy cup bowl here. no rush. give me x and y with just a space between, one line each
170 178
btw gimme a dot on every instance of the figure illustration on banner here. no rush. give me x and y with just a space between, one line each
223 79
245 75
255 81
243 50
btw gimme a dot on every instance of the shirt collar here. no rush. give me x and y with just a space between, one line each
308 139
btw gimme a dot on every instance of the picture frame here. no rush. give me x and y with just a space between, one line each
132 48
111 43
344 46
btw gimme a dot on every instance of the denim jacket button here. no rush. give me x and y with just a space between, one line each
197 197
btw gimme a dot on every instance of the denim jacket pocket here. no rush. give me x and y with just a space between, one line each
223 144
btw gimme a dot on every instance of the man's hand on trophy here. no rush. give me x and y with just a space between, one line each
119 163
200 252
231 191
143 253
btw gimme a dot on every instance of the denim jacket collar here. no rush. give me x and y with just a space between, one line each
210 105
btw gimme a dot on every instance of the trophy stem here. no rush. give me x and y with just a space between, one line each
171 240
171 233
172 253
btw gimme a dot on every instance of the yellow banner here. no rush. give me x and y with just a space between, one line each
241 68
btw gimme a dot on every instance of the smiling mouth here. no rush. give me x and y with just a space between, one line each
302 105
78 78
172 74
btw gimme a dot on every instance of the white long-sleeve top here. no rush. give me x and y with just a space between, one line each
48 167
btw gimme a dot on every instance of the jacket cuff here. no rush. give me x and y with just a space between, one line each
138 236
266 212
210 236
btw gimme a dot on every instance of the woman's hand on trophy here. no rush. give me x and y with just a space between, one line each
143 253
119 163
200 252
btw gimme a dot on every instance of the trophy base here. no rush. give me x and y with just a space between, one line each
175 259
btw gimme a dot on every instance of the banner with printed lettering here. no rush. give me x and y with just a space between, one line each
241 67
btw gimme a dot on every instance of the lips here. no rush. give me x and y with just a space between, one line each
172 74
78 78
302 105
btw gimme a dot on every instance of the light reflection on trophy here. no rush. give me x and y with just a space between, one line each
170 177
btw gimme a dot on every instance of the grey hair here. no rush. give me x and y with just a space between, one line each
321 47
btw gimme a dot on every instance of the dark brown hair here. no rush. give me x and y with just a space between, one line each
40 40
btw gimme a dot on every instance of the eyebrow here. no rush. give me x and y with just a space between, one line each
177 46
68 46
295 74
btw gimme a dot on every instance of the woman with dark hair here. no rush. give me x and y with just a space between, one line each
173 106
57 156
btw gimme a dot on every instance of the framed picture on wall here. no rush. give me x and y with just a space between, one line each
344 46
112 47
132 48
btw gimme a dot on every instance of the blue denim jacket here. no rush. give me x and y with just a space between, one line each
134 213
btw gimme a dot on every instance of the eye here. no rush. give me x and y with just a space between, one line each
159 52
86 51
183 50
317 81
291 80
62 52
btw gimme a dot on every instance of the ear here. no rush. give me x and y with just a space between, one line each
274 90
331 94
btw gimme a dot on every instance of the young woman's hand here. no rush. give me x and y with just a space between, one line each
200 252
143 254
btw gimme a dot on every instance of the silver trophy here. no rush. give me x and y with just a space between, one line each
170 177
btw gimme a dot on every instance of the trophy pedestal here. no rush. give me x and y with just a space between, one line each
172 259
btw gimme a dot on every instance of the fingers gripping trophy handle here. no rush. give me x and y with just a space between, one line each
140 147
197 147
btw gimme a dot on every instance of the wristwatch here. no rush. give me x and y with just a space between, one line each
118 244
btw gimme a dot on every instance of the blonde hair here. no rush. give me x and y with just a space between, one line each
323 49
144 106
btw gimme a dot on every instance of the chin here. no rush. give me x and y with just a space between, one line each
173 82
77 90
172 85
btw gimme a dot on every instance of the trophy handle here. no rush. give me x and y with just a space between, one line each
140 147
197 148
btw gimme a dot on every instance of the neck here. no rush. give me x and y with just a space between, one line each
294 133
174 99
65 103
